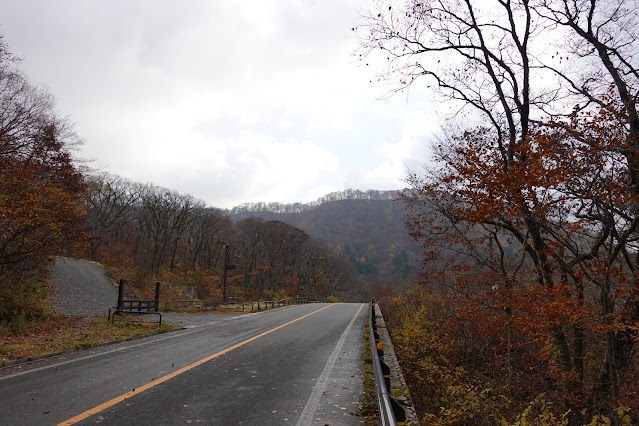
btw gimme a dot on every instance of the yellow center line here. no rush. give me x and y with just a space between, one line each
117 400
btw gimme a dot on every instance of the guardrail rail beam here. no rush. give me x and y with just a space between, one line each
390 412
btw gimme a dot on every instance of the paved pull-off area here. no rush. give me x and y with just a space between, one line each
81 288
296 365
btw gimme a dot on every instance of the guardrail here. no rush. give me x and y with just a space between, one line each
230 305
183 302
390 412
260 305
281 302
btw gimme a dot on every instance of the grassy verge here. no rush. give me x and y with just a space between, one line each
368 401
58 334
198 308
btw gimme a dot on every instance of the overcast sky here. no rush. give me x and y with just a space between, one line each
230 102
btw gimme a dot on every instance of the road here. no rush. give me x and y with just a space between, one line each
295 365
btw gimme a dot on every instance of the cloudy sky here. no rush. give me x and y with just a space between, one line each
230 102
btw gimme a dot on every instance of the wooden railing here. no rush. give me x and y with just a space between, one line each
136 306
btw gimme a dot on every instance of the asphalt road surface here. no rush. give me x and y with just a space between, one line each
296 365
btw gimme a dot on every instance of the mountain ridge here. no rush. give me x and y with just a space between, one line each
299 207
366 227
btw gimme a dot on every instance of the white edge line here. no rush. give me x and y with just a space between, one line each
118 349
313 401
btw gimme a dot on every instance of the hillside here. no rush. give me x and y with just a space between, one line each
369 231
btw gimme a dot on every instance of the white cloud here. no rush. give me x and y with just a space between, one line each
251 167
227 103
393 158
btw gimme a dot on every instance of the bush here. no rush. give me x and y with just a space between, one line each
22 299
459 373
332 299
443 390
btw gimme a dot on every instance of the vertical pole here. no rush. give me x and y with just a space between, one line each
157 296
120 294
226 272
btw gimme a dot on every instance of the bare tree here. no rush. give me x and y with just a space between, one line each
111 202
164 216
545 94
205 238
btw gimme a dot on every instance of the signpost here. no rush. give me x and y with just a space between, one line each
227 266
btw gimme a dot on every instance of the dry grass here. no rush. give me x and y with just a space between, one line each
368 400
59 333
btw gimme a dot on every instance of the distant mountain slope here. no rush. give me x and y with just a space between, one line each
370 232
349 194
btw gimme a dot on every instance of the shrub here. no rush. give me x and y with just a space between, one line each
23 298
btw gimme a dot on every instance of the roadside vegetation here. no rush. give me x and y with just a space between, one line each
56 333
460 369
368 401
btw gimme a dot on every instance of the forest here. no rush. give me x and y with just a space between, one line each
152 232
365 227
528 307
41 190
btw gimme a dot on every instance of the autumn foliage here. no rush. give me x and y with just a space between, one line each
540 251
147 233
41 212
528 215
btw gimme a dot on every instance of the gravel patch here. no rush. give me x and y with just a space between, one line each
81 288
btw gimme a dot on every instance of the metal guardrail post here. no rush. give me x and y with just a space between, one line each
278 303
390 412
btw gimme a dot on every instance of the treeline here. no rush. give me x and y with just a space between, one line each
348 194
151 231
371 234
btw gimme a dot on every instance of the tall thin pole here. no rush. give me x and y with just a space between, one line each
121 294
157 296
227 256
